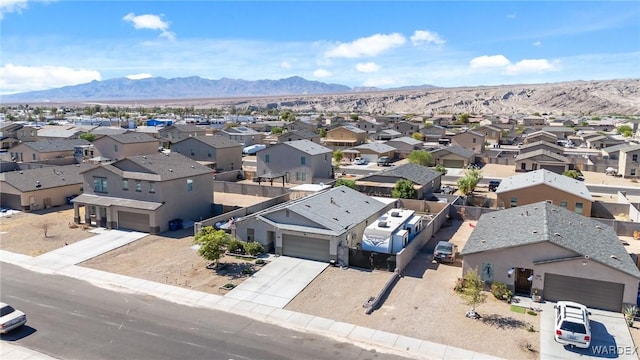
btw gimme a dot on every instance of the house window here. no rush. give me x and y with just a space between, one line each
303 160
138 185
192 152
563 204
251 234
125 184
286 212
267 158
100 185
474 140
152 187
189 185
514 201
632 172
33 156
634 157
579 207
209 154
115 147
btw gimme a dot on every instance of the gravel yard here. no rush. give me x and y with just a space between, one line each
24 233
424 305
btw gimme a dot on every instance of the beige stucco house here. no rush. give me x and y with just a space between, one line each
453 157
146 192
177 132
629 161
425 181
542 159
531 187
540 135
404 146
470 140
45 150
41 188
493 134
345 136
299 162
557 253
116 147
220 152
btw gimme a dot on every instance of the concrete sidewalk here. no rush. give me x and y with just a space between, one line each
11 351
102 242
278 282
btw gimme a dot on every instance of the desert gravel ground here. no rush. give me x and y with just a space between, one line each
423 305
23 233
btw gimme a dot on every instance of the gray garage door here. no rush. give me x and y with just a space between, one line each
133 221
449 163
305 247
555 169
592 293
10 201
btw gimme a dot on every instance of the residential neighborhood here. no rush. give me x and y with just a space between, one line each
348 211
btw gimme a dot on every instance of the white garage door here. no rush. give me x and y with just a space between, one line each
372 158
305 247
592 293
450 163
133 221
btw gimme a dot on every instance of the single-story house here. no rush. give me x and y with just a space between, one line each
373 151
322 226
425 181
219 152
44 150
41 188
540 136
555 252
453 157
404 146
542 159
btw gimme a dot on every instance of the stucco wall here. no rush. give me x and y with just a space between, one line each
537 193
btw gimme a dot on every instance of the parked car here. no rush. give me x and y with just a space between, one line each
10 318
445 252
360 161
572 324
493 185
384 161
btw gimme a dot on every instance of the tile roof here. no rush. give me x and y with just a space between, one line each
49 177
465 153
545 222
544 176
159 167
132 138
418 174
307 146
337 209
215 141
44 146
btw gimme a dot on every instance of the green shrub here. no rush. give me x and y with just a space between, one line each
260 262
236 246
501 292
253 248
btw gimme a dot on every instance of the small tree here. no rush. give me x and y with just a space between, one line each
346 182
404 190
354 117
213 243
88 136
418 136
625 130
472 293
574 174
277 130
441 169
420 157
467 184
322 132
337 156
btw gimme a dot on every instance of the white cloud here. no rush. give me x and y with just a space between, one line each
369 67
285 65
511 16
528 66
322 73
422 36
483 62
138 76
537 43
15 78
369 46
152 22
11 6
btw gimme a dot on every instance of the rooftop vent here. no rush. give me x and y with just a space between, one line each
557 234
614 257
382 224
599 227
395 214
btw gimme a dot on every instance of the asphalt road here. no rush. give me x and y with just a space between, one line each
71 319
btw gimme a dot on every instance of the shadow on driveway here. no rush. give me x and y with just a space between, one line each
603 344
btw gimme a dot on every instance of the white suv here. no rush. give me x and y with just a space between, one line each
572 324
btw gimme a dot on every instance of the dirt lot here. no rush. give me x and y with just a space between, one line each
24 233
424 305
174 261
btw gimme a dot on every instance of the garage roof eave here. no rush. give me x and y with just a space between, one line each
113 201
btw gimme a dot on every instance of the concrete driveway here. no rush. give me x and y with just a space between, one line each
611 338
278 282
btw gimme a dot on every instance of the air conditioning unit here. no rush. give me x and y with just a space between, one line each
382 224
395 214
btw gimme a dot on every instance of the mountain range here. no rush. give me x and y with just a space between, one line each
157 88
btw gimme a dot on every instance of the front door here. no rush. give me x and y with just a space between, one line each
523 284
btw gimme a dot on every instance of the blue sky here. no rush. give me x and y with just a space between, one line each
48 44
